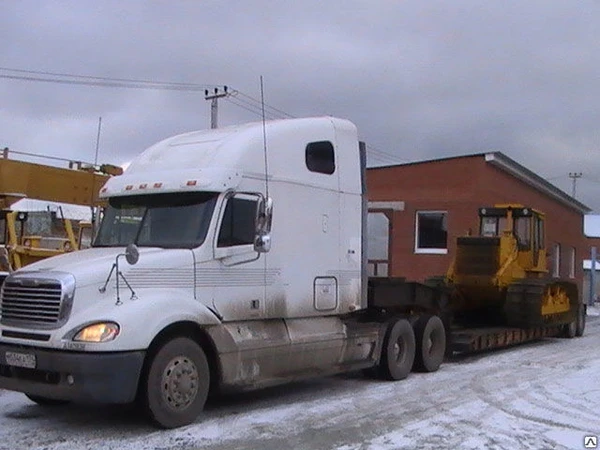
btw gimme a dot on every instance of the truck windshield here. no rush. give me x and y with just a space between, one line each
159 220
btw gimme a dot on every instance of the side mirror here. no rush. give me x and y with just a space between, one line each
132 254
262 243
264 219
264 216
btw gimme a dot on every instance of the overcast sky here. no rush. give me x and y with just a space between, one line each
421 79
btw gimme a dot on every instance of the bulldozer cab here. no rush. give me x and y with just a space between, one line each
522 224
23 248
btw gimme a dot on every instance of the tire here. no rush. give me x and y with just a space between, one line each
45 401
168 404
430 336
398 352
581 317
570 330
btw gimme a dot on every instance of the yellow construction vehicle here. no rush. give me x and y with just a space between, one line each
79 184
500 277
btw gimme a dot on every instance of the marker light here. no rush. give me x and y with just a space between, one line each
191 183
98 332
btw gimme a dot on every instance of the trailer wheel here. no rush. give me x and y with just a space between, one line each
581 317
45 401
177 383
430 336
398 353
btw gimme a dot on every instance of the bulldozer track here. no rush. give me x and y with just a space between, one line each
524 300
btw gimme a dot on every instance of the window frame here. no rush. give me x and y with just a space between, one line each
556 260
234 254
573 260
116 212
230 198
429 251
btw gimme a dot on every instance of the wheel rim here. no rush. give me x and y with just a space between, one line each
179 383
398 351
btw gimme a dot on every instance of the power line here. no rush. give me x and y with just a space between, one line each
244 101
237 98
256 101
252 110
111 79
115 84
250 107
383 154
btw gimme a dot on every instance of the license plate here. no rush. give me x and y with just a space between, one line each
26 360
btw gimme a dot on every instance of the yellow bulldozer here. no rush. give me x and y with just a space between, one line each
79 184
500 276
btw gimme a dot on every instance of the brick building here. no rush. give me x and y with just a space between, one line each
418 210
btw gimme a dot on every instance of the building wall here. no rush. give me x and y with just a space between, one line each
460 186
438 185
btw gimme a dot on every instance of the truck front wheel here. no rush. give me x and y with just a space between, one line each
398 351
177 383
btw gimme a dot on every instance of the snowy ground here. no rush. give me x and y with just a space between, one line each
544 395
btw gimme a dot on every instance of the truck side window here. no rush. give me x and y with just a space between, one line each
320 157
237 227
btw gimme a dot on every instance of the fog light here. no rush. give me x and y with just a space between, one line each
70 380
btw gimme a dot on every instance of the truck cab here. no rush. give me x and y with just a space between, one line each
221 259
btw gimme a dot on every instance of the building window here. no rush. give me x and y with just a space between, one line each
431 232
320 157
556 261
572 263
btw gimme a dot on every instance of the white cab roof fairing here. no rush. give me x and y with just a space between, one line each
218 159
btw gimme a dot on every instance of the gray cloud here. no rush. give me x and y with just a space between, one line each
420 79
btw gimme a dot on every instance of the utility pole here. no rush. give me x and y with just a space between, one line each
214 106
574 176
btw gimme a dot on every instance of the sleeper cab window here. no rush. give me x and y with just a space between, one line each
320 157
431 232
238 224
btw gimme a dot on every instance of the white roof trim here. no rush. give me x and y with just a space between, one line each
503 162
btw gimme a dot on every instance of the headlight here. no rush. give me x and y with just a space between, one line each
98 332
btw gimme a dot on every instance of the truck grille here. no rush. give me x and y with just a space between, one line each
36 301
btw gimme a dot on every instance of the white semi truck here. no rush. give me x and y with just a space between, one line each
227 259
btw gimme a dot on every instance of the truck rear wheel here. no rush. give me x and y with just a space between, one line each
430 338
398 353
45 401
177 383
